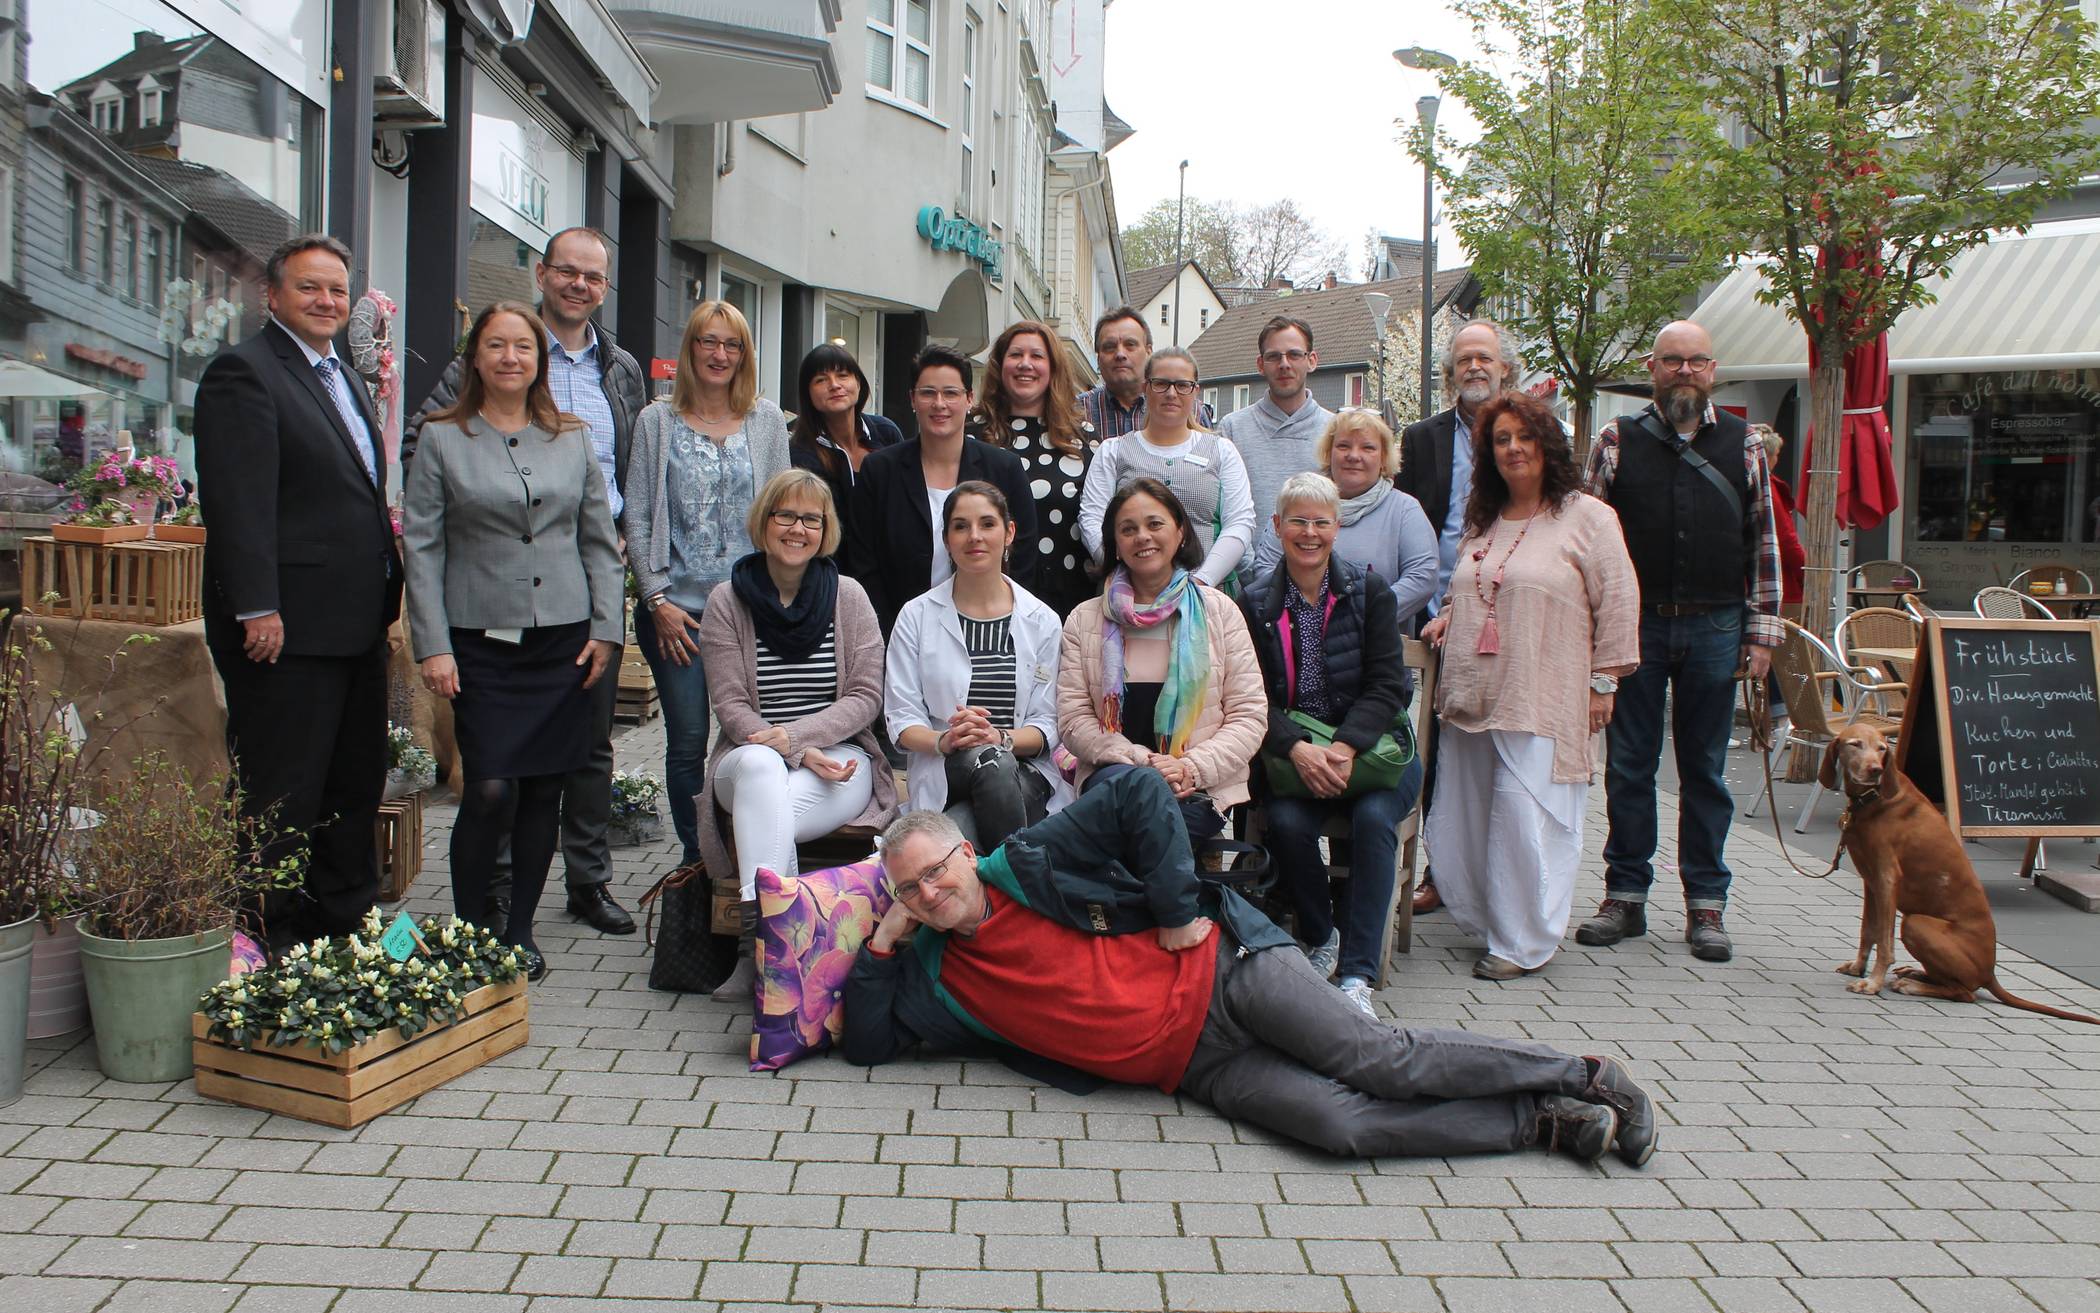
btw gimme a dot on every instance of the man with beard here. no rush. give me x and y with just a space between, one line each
1694 497
1436 469
1277 434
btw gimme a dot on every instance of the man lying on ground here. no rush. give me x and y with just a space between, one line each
1085 949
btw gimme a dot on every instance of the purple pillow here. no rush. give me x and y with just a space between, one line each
810 928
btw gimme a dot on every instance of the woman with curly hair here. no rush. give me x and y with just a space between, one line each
1542 617
1028 403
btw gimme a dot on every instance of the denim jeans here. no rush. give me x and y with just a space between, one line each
682 693
1693 658
1295 826
1198 814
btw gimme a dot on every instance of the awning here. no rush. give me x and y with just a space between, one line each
2024 301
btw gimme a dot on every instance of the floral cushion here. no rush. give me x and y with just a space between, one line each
810 928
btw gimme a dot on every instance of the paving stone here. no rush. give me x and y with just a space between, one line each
172 1297
299 1264
1255 1294
192 1260
1137 1291
550 1274
469 1271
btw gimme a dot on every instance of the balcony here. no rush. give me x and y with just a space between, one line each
717 60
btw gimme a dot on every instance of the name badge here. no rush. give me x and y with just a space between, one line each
512 636
1198 461
1042 673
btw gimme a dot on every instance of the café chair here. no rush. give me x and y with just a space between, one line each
1823 694
1995 603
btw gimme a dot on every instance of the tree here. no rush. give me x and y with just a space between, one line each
1580 202
1234 243
1277 240
1891 135
1210 238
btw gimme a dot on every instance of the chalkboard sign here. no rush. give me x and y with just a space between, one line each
2002 728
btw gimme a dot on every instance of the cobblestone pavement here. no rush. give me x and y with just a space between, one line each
1820 1151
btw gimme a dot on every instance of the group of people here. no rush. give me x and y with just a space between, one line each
1083 624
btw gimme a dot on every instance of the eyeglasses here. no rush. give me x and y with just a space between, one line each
1273 358
952 396
569 273
789 519
1299 523
1180 387
1679 364
731 346
909 890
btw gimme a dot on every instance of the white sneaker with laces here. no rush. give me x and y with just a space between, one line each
1358 991
1325 958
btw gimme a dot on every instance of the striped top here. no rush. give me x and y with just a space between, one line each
991 646
790 690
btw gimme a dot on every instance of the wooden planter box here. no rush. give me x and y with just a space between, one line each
99 533
352 1087
141 583
636 699
399 840
178 533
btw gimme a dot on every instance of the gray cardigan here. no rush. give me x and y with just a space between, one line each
648 511
507 533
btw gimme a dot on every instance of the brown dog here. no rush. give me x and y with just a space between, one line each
1911 862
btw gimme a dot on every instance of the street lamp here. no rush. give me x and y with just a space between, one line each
1180 211
1380 305
1431 60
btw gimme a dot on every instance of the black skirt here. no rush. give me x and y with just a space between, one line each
522 709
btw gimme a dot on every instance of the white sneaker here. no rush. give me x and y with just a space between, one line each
1326 956
1358 991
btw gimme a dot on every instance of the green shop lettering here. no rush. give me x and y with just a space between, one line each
954 233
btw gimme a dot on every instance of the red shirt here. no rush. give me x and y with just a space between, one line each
1118 1006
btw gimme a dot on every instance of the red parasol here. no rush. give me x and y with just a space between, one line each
1866 468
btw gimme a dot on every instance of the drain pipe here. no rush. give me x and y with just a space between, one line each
728 164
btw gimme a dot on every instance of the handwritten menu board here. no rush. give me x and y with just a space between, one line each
2003 725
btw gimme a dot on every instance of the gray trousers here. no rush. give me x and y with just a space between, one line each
1285 1050
586 797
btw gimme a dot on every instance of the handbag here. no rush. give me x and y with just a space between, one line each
1379 768
688 957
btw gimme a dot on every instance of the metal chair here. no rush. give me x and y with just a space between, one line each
1917 609
1884 575
1995 603
1882 627
1809 673
2071 577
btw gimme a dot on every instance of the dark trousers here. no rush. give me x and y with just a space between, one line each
992 793
1295 827
586 798
308 737
1287 1051
1690 660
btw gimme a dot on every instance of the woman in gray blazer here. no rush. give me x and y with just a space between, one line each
697 464
514 604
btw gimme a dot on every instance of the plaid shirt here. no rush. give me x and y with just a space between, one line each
578 385
1762 582
1111 419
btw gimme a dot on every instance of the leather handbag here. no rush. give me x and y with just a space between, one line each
688 957
1380 768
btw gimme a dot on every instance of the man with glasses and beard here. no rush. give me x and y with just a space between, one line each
1436 469
1694 497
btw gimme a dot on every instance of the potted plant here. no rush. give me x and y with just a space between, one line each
139 483
171 866
106 521
186 525
410 767
635 819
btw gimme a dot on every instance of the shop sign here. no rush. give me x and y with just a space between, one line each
521 186
952 232
525 179
109 360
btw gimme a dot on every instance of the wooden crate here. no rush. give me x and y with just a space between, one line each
141 583
636 699
399 839
352 1087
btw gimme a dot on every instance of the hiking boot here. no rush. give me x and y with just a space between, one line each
1616 919
1703 931
1611 1087
1571 1126
1327 956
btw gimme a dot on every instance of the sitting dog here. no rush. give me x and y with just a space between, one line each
1911 862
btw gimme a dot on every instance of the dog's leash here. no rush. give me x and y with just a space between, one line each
1761 743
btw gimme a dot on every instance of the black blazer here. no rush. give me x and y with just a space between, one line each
889 535
1425 465
296 526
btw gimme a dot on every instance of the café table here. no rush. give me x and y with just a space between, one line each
2068 606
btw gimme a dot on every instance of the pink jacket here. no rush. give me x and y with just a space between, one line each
1228 732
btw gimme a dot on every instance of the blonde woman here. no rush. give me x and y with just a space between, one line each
697 464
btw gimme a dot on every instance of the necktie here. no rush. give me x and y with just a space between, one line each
360 437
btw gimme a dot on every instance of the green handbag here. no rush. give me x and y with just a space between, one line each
1379 768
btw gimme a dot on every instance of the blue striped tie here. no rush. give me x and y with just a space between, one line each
360 436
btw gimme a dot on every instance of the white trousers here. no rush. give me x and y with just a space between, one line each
1505 841
772 808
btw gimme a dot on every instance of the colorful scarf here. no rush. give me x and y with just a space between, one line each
1181 694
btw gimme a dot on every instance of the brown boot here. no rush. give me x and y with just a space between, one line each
1616 919
1427 899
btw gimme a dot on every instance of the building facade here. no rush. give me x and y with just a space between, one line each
1179 302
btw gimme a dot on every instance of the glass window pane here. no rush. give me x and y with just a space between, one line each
879 56
917 75
918 20
883 12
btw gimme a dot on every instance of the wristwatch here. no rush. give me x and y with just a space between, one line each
1603 683
653 601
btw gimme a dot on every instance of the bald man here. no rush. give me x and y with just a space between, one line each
1694 496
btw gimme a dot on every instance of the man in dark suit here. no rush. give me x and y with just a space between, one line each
1436 469
301 580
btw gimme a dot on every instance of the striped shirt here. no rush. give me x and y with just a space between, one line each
791 690
991 645
578 385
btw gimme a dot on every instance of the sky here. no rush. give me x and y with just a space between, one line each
1267 98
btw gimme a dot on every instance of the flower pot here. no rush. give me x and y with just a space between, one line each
634 831
178 533
141 994
58 1002
14 1007
401 783
88 533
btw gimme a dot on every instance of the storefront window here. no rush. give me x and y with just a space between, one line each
2005 457
499 267
743 294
